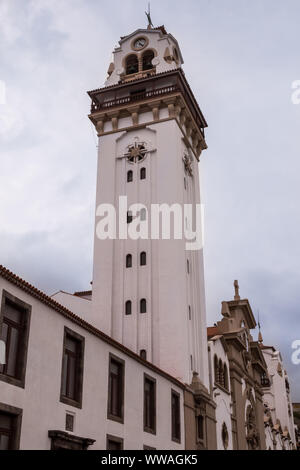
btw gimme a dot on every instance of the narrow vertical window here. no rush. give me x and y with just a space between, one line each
226 382
143 173
192 365
129 176
143 354
200 428
188 266
72 369
116 389
143 306
143 258
10 427
190 313
216 368
184 180
128 307
129 261
176 431
114 443
15 319
149 405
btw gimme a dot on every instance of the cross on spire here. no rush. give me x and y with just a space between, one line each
236 290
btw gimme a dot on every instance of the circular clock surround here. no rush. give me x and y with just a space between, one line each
138 44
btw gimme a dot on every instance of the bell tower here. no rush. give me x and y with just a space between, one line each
148 293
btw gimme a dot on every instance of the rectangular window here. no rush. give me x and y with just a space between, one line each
149 404
176 428
14 331
114 443
72 369
10 427
116 389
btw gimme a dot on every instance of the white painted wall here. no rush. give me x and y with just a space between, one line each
79 305
166 332
42 410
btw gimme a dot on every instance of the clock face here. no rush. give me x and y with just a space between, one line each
140 43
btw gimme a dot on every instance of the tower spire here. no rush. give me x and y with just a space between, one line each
260 337
148 14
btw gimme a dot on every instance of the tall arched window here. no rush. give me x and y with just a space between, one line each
143 354
129 261
128 307
216 367
143 258
226 381
221 373
130 176
147 60
143 173
143 306
132 64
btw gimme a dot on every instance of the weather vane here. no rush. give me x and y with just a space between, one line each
148 14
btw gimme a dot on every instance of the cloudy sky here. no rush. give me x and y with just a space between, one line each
241 59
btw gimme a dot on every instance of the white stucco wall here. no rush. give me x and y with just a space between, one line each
79 305
40 400
165 331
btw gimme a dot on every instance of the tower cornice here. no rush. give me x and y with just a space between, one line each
166 90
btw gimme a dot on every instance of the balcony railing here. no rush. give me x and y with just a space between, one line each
133 98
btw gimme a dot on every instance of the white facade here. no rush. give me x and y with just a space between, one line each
40 399
173 330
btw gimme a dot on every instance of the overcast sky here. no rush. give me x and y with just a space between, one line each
241 58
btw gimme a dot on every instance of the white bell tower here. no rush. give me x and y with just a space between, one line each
148 294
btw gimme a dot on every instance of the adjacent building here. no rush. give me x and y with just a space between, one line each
130 364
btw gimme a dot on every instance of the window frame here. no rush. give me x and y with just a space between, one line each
143 306
129 260
148 429
143 258
117 440
129 176
16 414
143 174
77 403
23 344
110 416
128 303
177 396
